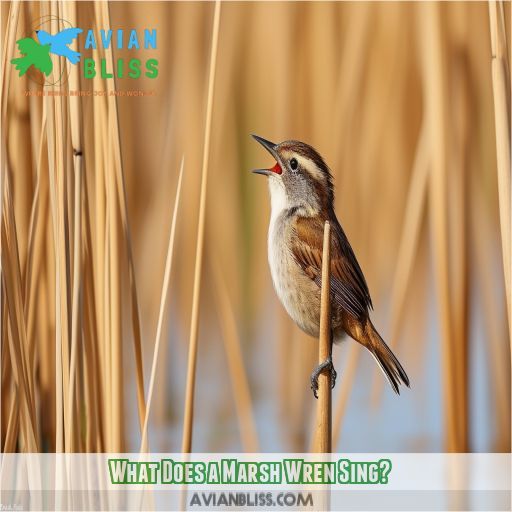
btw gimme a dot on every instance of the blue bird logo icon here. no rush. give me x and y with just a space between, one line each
60 41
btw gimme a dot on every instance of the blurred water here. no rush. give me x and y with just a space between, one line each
411 422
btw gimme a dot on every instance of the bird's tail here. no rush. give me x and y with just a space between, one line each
73 56
387 361
22 64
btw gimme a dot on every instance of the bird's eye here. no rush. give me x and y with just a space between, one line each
294 164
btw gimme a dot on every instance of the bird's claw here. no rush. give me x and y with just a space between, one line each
318 370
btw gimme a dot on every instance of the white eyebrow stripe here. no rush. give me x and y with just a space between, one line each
311 168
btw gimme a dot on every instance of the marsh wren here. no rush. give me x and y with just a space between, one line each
302 199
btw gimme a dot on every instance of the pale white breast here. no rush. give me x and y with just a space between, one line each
278 202
298 294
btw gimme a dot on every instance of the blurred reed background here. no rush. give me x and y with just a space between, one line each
407 105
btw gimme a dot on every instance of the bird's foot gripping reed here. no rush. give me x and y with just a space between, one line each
327 365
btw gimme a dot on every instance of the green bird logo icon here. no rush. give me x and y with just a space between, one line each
34 54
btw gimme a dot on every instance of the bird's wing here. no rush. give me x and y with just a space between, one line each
27 46
348 285
42 60
67 35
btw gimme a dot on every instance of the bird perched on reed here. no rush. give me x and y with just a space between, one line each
302 199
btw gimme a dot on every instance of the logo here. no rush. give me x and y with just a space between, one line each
55 38
37 54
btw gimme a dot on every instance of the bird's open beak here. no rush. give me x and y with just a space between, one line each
272 149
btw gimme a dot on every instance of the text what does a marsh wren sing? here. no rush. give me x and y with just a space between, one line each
302 199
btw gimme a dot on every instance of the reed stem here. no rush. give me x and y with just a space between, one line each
163 299
501 88
324 409
194 324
